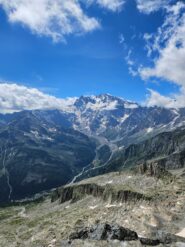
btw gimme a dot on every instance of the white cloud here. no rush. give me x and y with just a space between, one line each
156 99
15 98
167 49
121 39
169 43
174 101
149 6
55 18
113 5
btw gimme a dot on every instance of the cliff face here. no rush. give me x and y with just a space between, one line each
119 192
166 149
107 192
153 169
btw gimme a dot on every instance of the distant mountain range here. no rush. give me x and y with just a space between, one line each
43 149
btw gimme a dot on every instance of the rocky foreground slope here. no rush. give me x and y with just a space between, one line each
140 207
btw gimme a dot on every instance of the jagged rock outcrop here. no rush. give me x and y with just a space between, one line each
107 192
165 149
109 232
149 242
105 232
153 169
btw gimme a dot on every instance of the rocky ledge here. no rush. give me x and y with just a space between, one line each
107 192
154 168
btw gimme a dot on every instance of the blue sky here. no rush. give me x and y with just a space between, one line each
110 55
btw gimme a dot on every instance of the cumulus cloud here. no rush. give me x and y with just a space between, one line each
149 6
14 98
55 18
174 101
113 5
167 49
156 99
169 43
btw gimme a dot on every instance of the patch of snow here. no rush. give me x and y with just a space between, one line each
153 225
181 233
122 147
47 138
124 118
37 136
52 130
175 119
149 130
143 207
99 105
176 111
179 203
53 243
141 236
93 207
129 105
35 133
110 205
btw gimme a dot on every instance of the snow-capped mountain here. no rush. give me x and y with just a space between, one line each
119 120
94 114
42 149
113 118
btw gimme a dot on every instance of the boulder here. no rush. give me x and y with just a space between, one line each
105 232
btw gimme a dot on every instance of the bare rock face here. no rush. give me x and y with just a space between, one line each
149 242
110 232
153 169
105 232
77 192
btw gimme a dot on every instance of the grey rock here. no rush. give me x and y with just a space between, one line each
105 232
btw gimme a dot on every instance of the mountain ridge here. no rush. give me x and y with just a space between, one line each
88 137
